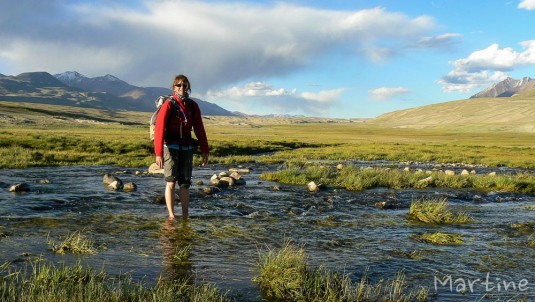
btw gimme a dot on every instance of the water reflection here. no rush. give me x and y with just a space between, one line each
177 238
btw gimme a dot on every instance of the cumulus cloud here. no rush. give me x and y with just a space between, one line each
256 96
527 4
486 66
215 43
386 93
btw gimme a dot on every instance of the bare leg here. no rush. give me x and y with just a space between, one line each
170 199
183 194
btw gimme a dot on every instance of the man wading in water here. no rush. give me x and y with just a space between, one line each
173 144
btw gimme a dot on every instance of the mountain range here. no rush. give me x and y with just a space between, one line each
509 104
74 89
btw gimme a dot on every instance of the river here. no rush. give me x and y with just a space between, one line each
338 228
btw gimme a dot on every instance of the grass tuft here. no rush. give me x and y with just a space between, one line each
182 254
74 243
435 211
441 238
285 276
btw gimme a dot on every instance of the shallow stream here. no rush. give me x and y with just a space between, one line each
338 228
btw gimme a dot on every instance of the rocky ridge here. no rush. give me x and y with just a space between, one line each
506 88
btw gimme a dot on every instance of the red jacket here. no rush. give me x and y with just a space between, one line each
170 121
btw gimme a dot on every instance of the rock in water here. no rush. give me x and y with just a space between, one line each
313 187
130 187
21 187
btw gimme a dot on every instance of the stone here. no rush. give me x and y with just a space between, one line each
223 174
465 172
235 175
43 181
214 180
449 172
386 205
21 187
211 190
116 185
492 174
200 182
106 179
226 182
130 187
427 179
155 169
112 181
339 166
240 170
312 187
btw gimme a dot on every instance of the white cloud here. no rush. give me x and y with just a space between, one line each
464 82
527 4
385 93
255 97
325 96
253 89
214 43
487 66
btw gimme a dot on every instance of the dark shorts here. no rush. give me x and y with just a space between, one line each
177 166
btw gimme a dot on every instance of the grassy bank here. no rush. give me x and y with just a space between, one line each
45 135
354 178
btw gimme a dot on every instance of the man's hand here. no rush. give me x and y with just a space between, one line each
204 159
159 161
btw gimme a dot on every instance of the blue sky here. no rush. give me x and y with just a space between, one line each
341 59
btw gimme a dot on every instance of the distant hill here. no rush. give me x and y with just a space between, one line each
509 114
508 105
74 89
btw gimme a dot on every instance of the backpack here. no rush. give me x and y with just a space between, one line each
158 103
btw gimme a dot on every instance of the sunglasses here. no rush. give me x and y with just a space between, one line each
182 85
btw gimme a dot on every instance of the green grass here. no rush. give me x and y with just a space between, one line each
354 178
45 135
182 254
74 243
285 275
436 211
441 238
531 241
45 282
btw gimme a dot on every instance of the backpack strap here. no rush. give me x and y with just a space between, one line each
191 108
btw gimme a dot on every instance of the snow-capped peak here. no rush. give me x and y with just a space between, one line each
69 77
